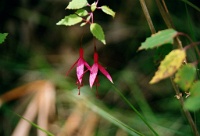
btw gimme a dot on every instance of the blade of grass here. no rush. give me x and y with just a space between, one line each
35 125
112 119
191 4
136 111
92 104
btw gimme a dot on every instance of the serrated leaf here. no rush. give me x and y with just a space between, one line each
185 76
3 37
77 4
97 31
192 103
169 65
70 20
108 11
158 39
82 12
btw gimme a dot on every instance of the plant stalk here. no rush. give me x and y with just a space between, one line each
185 111
147 16
166 17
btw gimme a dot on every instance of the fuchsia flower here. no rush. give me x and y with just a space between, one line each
81 63
94 71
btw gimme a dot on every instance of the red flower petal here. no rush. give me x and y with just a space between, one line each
80 69
93 73
103 70
86 65
72 67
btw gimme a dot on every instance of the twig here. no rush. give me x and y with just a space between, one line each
147 16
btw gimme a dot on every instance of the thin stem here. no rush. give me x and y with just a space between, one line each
97 2
185 111
167 13
95 48
81 40
147 16
191 45
165 16
168 22
196 48
192 33
92 18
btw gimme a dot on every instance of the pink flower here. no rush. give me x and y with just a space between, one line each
81 63
94 71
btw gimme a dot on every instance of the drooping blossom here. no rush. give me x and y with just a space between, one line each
81 63
94 72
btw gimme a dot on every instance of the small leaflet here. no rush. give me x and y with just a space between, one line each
70 20
97 31
108 11
82 12
77 4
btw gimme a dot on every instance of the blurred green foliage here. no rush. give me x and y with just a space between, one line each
38 49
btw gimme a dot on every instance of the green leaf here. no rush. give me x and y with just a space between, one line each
82 12
97 31
70 20
77 4
108 11
185 76
192 103
195 89
3 37
158 39
169 65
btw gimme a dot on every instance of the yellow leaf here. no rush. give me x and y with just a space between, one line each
169 65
